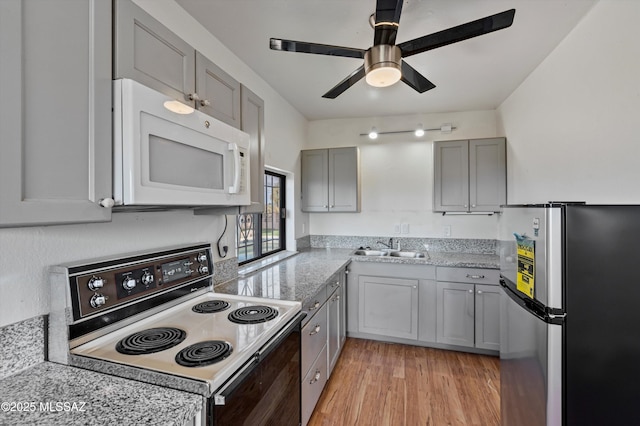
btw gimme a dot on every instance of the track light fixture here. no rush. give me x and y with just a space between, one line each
418 132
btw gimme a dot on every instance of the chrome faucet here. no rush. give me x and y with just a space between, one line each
388 245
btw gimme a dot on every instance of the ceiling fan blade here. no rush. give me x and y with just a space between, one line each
345 84
414 79
387 18
466 31
315 48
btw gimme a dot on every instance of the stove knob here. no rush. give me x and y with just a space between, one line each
201 257
147 279
129 283
203 269
98 300
96 283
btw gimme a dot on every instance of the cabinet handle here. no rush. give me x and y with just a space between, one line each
316 330
479 291
193 96
415 286
315 306
332 206
205 102
470 291
107 203
316 377
473 205
326 206
337 284
475 277
335 299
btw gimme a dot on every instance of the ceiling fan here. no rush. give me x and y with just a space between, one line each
383 64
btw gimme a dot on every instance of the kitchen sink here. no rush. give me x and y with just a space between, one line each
414 254
364 252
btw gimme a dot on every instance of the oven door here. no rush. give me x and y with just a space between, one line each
266 391
165 158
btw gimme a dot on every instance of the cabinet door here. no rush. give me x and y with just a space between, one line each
343 180
487 172
252 122
148 52
219 93
55 111
456 314
451 176
315 178
488 317
388 306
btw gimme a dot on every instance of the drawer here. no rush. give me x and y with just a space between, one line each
314 337
469 275
312 385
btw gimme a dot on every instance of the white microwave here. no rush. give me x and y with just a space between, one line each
174 159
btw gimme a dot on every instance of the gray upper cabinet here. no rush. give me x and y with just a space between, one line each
252 122
55 112
148 52
470 175
330 180
218 92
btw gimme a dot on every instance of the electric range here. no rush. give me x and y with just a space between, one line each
154 317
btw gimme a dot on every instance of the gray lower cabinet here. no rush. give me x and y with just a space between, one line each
468 307
470 175
441 307
55 112
487 317
323 335
330 180
388 306
456 314
148 52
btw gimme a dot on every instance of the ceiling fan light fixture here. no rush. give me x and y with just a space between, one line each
382 65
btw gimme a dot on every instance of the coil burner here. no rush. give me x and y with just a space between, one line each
253 314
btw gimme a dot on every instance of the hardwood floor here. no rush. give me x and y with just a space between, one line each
376 383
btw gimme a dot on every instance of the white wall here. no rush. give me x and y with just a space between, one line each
397 175
27 252
573 125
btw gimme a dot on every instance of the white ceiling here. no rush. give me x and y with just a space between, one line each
475 74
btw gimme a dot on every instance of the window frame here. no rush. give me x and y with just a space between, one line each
258 220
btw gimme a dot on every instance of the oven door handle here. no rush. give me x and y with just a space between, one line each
238 376
219 398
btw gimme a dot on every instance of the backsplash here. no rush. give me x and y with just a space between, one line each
21 345
458 245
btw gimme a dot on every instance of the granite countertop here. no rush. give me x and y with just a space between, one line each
55 394
300 277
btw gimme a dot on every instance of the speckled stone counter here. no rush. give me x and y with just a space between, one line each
297 278
54 394
300 277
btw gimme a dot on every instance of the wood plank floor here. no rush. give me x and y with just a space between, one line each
376 383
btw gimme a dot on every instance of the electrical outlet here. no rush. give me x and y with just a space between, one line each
446 230
405 228
396 228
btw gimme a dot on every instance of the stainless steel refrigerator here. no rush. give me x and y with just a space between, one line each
570 314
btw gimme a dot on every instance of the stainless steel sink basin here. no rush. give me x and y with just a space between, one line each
363 252
413 254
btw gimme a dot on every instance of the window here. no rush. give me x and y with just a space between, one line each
260 234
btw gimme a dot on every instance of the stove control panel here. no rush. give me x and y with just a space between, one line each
111 284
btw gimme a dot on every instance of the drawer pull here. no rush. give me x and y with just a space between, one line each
316 330
315 306
337 284
316 377
475 277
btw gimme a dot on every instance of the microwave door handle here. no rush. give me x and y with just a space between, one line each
235 188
